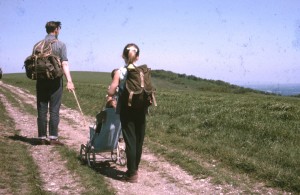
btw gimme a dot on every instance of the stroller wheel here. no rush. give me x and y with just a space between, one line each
82 154
91 157
123 159
114 156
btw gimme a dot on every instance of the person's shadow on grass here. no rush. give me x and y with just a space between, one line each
31 141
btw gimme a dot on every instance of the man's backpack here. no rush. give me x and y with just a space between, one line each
138 91
42 64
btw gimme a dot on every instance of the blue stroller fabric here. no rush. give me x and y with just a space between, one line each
107 139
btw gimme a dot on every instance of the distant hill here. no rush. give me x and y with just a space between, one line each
168 79
162 79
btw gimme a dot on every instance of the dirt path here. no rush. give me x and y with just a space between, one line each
156 176
56 178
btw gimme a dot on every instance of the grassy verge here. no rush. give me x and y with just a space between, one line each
18 172
250 134
93 182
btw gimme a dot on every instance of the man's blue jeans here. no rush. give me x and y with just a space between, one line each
49 95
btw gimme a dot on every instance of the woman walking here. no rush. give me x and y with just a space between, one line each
133 120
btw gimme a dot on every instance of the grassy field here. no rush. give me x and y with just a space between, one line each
209 128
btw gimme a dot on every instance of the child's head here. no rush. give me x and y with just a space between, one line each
131 53
112 74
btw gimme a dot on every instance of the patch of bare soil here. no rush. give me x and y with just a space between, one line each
156 175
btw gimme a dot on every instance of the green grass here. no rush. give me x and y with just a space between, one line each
18 171
253 134
92 181
199 123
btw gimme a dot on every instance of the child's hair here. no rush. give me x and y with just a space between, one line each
109 103
130 54
112 74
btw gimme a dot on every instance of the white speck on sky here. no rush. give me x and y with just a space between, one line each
237 41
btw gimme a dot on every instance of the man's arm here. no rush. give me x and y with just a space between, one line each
70 85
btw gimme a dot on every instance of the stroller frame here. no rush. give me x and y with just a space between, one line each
107 140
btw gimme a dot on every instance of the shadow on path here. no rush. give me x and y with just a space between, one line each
32 141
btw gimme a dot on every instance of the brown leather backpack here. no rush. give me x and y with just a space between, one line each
42 64
139 91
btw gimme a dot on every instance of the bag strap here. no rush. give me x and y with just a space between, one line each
42 43
154 99
142 79
130 98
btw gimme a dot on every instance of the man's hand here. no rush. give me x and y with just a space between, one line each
70 86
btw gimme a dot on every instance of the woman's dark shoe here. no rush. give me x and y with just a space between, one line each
39 141
130 179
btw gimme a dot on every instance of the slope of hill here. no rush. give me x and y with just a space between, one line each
210 128
168 79
161 79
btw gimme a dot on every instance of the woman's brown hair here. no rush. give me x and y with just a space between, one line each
130 55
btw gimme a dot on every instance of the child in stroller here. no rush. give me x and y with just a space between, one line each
105 136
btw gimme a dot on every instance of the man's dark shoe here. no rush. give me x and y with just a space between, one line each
56 142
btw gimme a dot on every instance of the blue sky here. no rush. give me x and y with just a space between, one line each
237 41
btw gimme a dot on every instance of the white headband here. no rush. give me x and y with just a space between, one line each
132 49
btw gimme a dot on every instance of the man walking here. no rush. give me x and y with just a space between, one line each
49 92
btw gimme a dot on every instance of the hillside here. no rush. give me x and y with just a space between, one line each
211 129
162 79
168 79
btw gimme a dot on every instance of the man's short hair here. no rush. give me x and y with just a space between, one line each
52 25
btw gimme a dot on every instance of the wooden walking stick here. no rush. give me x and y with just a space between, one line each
79 107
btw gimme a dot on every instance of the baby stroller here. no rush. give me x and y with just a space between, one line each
105 137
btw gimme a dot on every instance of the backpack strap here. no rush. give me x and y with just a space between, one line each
130 98
42 44
154 99
142 79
